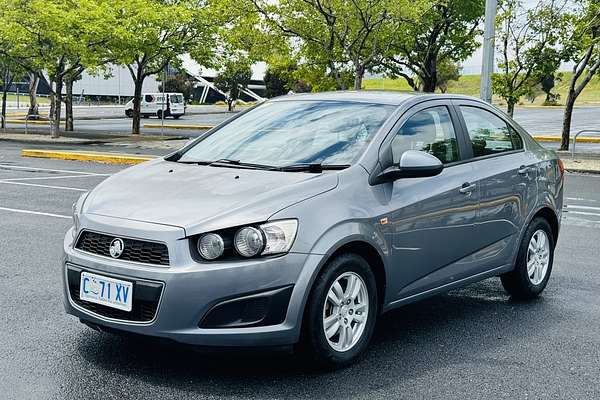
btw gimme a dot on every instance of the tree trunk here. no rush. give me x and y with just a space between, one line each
568 114
359 73
510 107
57 103
3 122
34 80
230 105
137 100
428 85
69 105
429 78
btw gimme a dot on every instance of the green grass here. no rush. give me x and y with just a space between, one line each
24 99
469 85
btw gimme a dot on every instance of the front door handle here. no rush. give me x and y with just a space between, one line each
467 188
523 170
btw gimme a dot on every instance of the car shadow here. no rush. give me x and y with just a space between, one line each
408 342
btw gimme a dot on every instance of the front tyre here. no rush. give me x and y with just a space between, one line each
341 312
534 262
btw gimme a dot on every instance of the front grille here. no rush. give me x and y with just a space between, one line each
134 250
146 296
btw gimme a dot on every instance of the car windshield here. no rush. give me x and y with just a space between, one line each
284 133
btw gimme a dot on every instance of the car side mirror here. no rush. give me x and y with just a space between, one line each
413 164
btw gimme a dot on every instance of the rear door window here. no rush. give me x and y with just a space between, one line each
489 134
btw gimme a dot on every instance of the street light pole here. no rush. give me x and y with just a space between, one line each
162 103
487 66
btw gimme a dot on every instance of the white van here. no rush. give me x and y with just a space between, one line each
153 104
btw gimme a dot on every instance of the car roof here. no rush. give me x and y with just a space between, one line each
369 96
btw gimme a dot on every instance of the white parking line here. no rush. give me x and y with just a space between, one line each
569 206
580 199
52 177
34 212
43 186
583 213
20 168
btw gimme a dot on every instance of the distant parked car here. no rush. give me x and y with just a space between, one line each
301 220
153 104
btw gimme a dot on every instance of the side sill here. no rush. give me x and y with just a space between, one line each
447 287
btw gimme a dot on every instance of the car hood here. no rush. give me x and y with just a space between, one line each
202 198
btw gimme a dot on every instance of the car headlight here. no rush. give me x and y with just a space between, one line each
76 212
248 241
279 235
211 246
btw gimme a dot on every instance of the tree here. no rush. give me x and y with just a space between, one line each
583 47
232 79
33 83
341 37
60 38
149 34
548 83
179 83
447 71
9 71
529 47
444 34
276 82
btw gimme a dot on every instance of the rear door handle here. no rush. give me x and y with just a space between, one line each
467 188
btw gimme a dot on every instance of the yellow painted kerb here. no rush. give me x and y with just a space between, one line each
31 122
178 126
113 158
584 139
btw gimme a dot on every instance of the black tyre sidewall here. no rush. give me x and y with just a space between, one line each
524 285
314 334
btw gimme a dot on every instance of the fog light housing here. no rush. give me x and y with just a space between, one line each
211 246
249 241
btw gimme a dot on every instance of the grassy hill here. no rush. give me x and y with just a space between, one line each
469 85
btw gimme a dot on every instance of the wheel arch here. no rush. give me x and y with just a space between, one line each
372 257
360 246
549 215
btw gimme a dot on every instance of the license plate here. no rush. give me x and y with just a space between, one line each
107 291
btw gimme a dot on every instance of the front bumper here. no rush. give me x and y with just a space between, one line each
190 289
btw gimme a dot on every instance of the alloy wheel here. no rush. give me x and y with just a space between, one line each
345 311
538 257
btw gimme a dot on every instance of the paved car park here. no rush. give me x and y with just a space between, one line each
110 119
470 343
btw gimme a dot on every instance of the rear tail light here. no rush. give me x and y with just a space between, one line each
561 168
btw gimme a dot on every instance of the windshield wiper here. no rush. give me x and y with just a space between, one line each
312 167
225 162
198 162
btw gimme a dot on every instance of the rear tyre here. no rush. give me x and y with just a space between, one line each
176 116
534 262
341 312
129 113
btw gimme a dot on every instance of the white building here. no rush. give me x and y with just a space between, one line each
119 84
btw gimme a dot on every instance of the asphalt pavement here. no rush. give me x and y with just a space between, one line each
473 343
